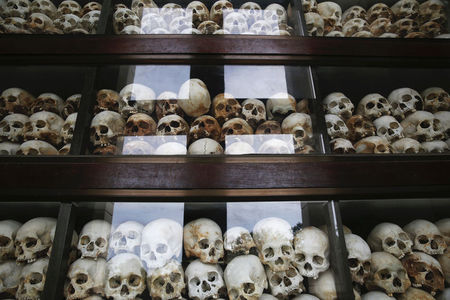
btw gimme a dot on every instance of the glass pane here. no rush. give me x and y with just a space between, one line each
49 17
26 236
381 110
204 110
204 17
398 247
38 109
373 19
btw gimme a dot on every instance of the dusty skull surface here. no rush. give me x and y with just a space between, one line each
13 127
124 17
391 238
354 12
219 10
237 241
373 106
32 280
314 24
16 8
338 104
86 277
91 6
225 108
68 23
236 126
299 125
200 12
336 127
16 100
45 126
194 98
413 293
426 237
167 104
332 15
342 146
107 100
269 127
8 231
172 125
71 105
143 7
404 101
389 128
140 124
279 106
94 237
45 7
373 145
435 147
69 7
203 239
435 99
422 126
36 148
380 27
358 257
106 127
68 128
379 10
205 281
135 98
432 10
9 278
285 284
359 127
406 145
204 127
354 26
167 282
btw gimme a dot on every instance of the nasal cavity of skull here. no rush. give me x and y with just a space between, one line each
169 288
4 241
124 290
5 126
434 245
81 278
205 287
36 278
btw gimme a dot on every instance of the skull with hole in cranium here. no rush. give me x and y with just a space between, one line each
205 281
106 127
237 241
426 237
86 277
94 237
203 239
45 7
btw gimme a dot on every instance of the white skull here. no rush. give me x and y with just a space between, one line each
390 238
199 11
180 24
285 284
94 237
142 7
252 12
219 10
17 8
376 296
279 106
106 127
45 7
124 17
254 112
332 14
353 12
245 278
404 101
14 25
40 23
239 148
131 29
406 145
311 251
205 146
126 237
194 98
314 24
309 6
171 148
238 241
435 99
373 106
32 280
432 10
69 7
235 23
125 277
161 242
33 239
338 104
358 257
336 127
354 26
12 127
275 15
171 11
426 237
205 281
413 293
68 23
68 128
387 274
406 9
172 125
304 297
444 227
300 126
389 128
324 287
273 238
261 27
342 146
9 277
137 148
203 239
379 10
135 98
422 126
37 148
86 277
45 126
153 21
373 145
89 21
8 231
167 282
435 147
276 146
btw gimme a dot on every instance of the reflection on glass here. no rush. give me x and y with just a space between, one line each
152 145
259 144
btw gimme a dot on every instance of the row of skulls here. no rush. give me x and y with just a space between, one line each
145 17
406 18
395 259
139 256
129 112
42 17
395 124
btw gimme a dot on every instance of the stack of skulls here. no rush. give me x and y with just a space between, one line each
405 122
36 126
42 17
133 112
412 262
405 19
24 256
145 17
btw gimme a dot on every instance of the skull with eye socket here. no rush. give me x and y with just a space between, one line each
94 237
172 125
167 104
225 107
140 125
204 127
359 127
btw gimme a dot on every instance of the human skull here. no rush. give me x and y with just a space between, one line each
279 106
424 272
9 278
375 295
16 100
261 27
387 274
140 124
181 25
205 146
235 126
167 104
33 239
86 277
45 126
171 148
125 277
106 127
444 227
65 149
219 10
426 237
353 26
94 237
225 108
32 280
167 282
332 14
89 21
252 12
131 29
390 238
300 126
275 15
435 99
68 128
422 126
373 145
170 11
254 112
245 278
354 12
380 26
432 10
237 241
373 106
431 29
406 28
126 238
406 9
205 281
285 284
204 127
69 7
358 257
203 239
200 12
107 100
161 242
239 148
45 7
435 147
379 10
342 146
314 24
302 297
309 6
413 293
338 104
36 148
13 127
152 21
269 127
135 98
48 102
389 128
404 101
71 105
143 7
324 287
336 127
91 6
235 23
359 127
276 146
194 98
137 147
14 25
406 145
8 232
124 17
172 125
39 23
68 23
17 8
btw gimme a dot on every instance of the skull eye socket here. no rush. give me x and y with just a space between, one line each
195 281
382 130
134 280
117 235
237 126
30 242
4 241
248 106
366 266
276 280
370 105
329 125
422 239
144 125
114 282
132 235
36 278
286 250
340 123
175 277
159 281
81 278
385 274
103 129
212 276
174 124
220 106
268 253
100 242
300 257
203 244
389 242
352 263
394 125
425 124
291 272
161 248
318 260
333 104
299 133
381 148
406 97
40 124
